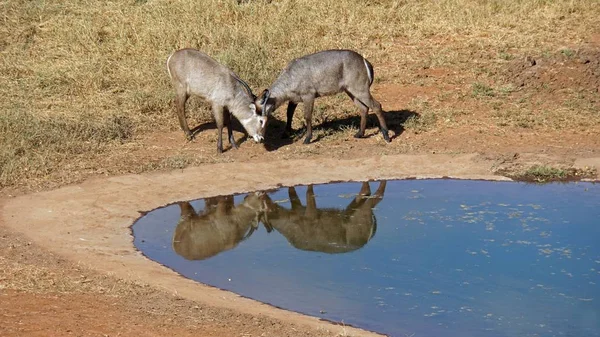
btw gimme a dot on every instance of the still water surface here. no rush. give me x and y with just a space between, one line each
416 258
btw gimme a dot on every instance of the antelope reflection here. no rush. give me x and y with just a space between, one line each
220 227
328 230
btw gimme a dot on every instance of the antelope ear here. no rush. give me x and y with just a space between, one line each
253 108
262 94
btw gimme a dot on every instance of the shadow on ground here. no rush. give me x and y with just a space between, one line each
273 141
394 119
207 127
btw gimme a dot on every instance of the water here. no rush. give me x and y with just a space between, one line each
428 258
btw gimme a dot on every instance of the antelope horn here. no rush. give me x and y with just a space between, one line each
248 90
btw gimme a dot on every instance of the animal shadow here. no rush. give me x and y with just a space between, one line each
213 126
273 139
395 120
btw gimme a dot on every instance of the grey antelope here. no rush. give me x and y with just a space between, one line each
323 74
220 227
195 73
327 230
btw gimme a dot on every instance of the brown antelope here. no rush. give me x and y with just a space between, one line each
323 74
326 230
195 73
220 227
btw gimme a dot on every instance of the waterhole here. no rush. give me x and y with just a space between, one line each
405 258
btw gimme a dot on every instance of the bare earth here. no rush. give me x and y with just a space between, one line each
68 266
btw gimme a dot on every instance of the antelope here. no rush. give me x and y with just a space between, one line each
220 227
326 230
323 74
195 73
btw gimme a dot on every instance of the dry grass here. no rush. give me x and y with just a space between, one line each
78 77
26 267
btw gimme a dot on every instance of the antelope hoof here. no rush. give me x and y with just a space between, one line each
359 134
307 140
189 136
385 134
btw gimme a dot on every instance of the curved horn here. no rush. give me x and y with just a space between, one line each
250 231
248 90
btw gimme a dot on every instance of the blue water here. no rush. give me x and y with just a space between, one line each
429 258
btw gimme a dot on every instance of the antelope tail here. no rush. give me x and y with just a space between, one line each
168 68
370 71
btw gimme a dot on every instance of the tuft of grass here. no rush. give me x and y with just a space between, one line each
348 128
541 173
174 162
505 56
421 123
568 52
507 89
480 89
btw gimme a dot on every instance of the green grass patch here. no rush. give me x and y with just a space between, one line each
568 52
482 90
544 174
